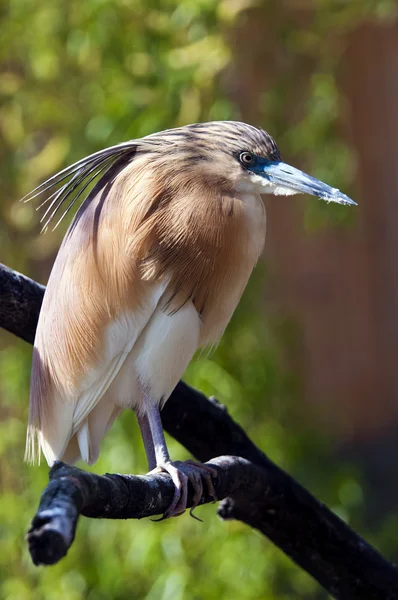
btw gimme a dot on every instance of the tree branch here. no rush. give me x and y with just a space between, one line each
72 491
258 492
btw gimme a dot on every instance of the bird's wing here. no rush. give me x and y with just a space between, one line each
64 392
95 307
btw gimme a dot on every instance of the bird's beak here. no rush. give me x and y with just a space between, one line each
295 181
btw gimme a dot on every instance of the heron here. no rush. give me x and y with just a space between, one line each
150 270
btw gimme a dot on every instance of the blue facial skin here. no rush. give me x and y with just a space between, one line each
279 173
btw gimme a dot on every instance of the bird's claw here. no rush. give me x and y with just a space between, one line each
182 473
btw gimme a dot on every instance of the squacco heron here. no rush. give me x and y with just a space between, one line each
151 268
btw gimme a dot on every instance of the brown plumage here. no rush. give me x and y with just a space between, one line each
151 268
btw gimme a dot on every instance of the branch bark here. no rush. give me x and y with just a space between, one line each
256 491
72 491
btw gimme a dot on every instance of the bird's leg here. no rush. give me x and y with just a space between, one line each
146 435
180 472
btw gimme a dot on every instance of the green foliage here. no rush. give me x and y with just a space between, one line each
78 76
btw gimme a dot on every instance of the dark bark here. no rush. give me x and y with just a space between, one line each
259 493
20 303
72 491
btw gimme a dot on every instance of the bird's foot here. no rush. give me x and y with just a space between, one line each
182 473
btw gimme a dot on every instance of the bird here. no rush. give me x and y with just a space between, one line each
149 271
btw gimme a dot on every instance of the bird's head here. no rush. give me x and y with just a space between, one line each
225 155
238 156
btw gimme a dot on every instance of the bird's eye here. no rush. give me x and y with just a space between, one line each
246 158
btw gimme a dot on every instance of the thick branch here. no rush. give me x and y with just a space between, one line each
72 491
317 540
20 303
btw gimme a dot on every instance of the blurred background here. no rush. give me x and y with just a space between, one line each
308 364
